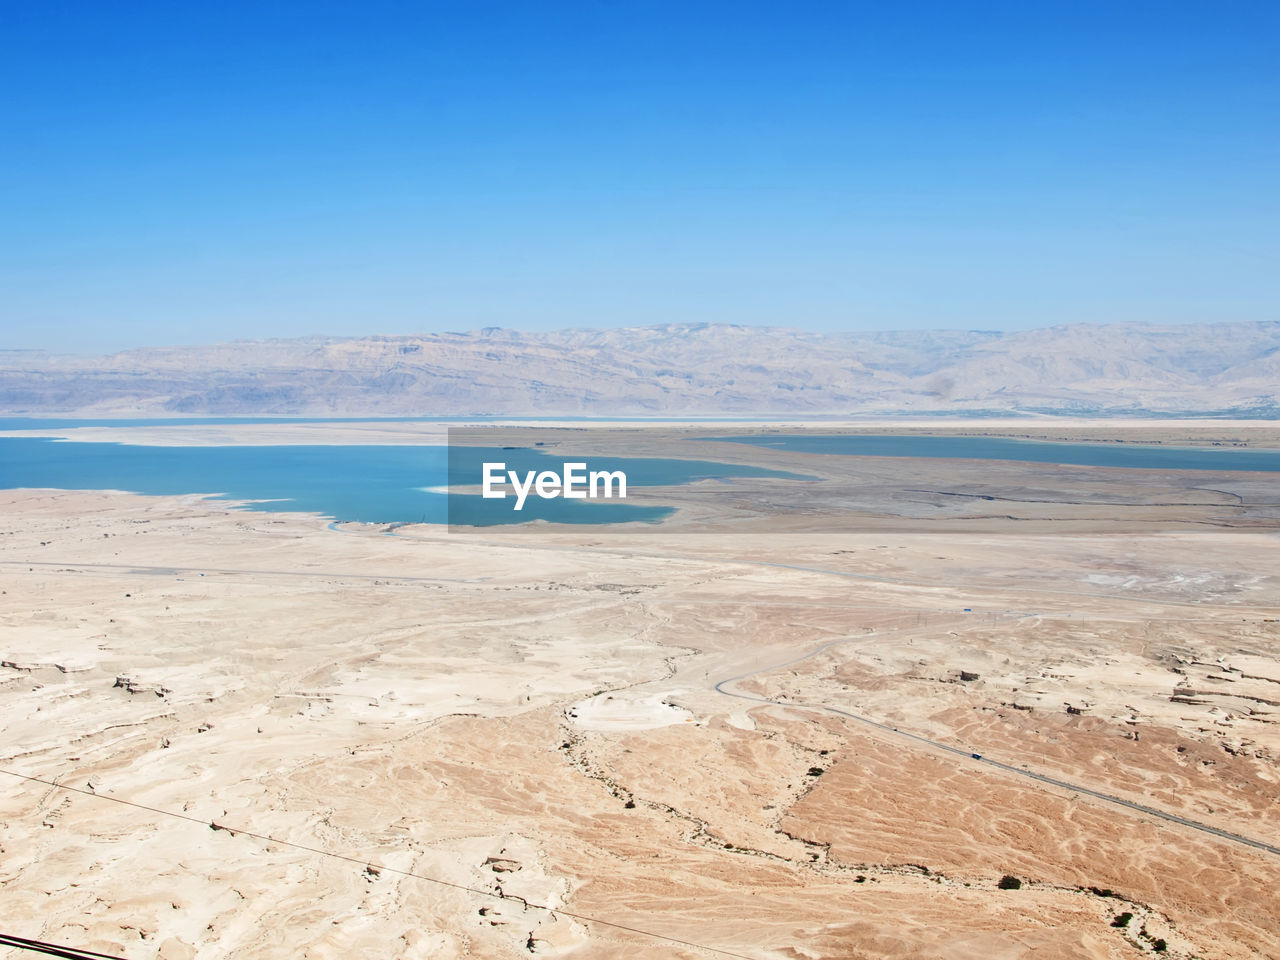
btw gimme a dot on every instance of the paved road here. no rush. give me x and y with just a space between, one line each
975 588
185 571
974 756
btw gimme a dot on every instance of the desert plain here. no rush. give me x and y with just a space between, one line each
996 711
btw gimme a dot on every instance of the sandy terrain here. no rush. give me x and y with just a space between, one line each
282 740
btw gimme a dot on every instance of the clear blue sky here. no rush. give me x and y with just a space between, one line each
181 173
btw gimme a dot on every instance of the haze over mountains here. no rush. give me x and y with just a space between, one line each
673 370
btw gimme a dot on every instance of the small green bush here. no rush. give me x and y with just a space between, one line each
1009 883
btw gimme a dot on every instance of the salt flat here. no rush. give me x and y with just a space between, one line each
346 742
1259 434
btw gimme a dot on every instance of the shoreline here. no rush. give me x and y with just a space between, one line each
1189 432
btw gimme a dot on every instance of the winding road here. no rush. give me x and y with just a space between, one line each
972 756
723 686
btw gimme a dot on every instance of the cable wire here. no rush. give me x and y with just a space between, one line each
510 898
53 949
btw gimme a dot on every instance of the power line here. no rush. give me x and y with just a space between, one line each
553 911
53 949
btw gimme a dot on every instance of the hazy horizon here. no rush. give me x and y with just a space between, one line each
194 340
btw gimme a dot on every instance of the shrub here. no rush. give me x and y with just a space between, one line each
1009 883
1122 920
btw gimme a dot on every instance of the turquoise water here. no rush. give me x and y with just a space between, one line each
65 423
392 484
370 484
1139 456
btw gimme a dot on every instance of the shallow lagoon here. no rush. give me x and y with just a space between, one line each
364 483
1129 455
405 484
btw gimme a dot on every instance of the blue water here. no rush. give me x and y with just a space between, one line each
385 484
65 423
370 484
1034 451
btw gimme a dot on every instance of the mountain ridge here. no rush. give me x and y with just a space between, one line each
673 369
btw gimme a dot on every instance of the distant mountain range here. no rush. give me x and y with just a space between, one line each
676 370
